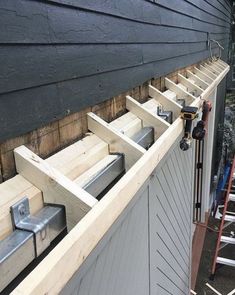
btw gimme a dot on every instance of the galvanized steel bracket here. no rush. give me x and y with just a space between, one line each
31 236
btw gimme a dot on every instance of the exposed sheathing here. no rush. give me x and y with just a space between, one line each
57 135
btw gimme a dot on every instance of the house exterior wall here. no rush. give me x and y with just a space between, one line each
148 249
58 57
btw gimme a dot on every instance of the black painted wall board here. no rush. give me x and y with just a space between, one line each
20 69
59 56
34 22
33 107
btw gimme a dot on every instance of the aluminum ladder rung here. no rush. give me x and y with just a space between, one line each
225 261
227 240
229 218
232 197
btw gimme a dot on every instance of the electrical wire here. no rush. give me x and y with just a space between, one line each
214 58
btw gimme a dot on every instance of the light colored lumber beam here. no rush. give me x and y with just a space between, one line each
182 94
219 65
50 276
11 191
167 103
222 63
212 69
200 82
208 71
56 188
191 86
80 156
71 161
170 94
148 117
203 75
127 124
87 176
216 66
152 105
117 141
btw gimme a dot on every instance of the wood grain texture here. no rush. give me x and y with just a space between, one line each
56 188
51 276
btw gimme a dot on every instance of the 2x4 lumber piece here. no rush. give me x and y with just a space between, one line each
215 66
50 276
80 156
152 105
167 103
221 62
86 177
212 68
203 76
71 161
200 82
148 117
208 71
218 64
117 141
191 86
189 98
56 188
127 124
11 191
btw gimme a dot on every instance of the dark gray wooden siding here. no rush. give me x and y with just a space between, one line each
60 56
147 251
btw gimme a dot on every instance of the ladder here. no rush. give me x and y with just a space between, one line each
226 216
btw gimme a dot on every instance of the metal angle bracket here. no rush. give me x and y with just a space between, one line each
144 137
45 225
32 234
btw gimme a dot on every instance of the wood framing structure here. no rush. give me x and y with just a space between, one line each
61 178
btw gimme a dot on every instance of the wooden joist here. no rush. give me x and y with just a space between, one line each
200 82
203 76
212 68
56 188
181 93
167 103
208 71
80 156
216 66
128 124
149 118
192 87
117 141
87 176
